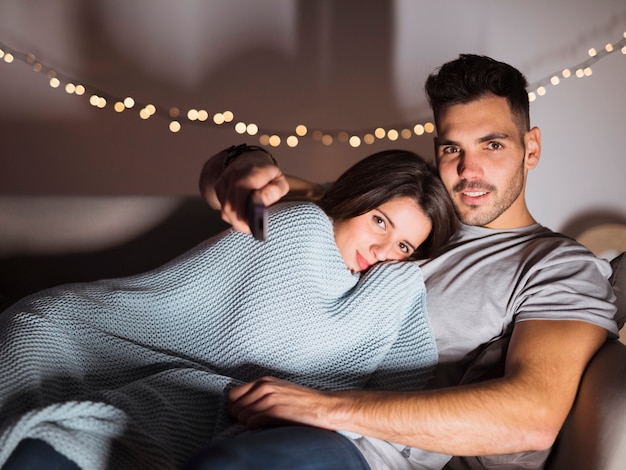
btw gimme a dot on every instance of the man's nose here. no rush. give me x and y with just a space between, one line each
469 165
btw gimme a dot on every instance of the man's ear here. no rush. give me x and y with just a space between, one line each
532 145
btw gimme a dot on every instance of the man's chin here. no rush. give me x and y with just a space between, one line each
475 218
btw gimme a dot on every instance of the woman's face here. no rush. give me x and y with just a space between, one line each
392 231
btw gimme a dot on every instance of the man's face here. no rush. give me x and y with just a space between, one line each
483 162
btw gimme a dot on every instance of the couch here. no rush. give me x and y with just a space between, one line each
593 437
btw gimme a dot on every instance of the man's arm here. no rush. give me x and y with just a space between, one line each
229 189
524 410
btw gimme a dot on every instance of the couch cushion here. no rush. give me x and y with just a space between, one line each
618 281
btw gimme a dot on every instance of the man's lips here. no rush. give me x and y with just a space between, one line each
474 194
473 191
362 262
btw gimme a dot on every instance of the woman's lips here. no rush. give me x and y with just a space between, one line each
362 262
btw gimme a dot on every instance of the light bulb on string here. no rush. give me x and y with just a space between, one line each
274 140
290 138
355 141
192 114
240 128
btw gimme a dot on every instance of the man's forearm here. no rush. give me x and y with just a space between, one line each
211 171
469 420
302 190
489 418
524 410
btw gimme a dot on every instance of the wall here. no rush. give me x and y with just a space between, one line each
75 179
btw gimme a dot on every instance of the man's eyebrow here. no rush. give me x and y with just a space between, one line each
494 136
393 225
485 138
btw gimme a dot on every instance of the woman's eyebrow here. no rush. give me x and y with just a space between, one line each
387 217
410 244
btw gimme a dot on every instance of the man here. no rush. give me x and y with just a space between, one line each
517 310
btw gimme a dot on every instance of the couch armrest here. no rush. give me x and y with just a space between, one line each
594 434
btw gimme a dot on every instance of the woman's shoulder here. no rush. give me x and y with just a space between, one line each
301 211
299 222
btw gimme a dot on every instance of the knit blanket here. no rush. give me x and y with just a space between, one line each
132 372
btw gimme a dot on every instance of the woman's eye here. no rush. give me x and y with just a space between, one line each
404 248
380 222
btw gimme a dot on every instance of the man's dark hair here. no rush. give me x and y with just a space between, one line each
471 77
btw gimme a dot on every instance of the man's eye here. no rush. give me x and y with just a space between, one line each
449 150
494 146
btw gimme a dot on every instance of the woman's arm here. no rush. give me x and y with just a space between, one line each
254 173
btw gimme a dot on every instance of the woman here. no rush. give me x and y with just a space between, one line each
131 373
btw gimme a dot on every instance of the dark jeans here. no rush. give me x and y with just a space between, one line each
35 454
281 448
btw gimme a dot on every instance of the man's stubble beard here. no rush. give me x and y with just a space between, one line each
479 215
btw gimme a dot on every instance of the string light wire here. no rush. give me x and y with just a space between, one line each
272 137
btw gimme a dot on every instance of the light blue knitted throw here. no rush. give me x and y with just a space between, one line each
131 373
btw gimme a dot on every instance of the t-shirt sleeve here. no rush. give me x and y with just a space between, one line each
570 284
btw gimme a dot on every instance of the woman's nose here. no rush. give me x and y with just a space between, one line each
381 250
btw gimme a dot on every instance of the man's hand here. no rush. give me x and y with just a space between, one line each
269 401
524 410
245 179
252 174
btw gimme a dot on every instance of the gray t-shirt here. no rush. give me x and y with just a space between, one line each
485 282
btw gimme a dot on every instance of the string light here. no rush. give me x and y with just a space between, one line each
355 141
581 70
275 138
